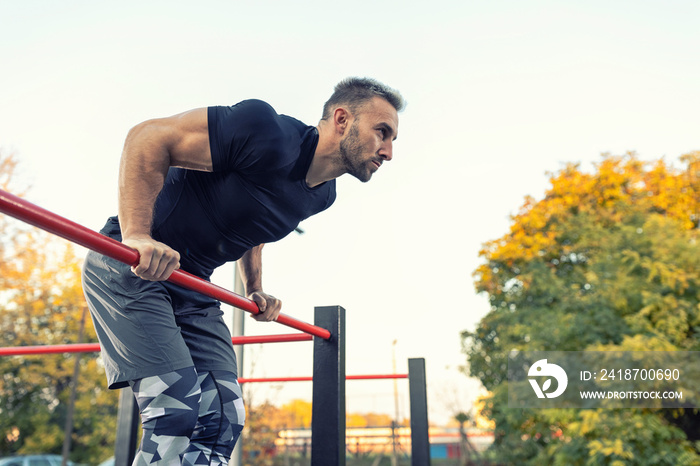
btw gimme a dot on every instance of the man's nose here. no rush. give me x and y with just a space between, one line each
387 151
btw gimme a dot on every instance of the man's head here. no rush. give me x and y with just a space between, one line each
353 93
364 112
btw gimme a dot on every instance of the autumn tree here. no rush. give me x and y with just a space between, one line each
265 421
41 303
605 261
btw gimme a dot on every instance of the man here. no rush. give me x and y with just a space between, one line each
197 190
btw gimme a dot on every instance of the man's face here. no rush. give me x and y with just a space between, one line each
369 141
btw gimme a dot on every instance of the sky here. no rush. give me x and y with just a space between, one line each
499 94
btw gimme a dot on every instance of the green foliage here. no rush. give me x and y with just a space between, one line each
606 261
41 302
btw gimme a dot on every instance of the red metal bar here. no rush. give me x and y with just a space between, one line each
309 379
94 347
380 376
274 379
53 223
247 340
49 349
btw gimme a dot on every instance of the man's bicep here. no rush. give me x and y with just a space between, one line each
189 141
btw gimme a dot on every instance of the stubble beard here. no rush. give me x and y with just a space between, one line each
351 155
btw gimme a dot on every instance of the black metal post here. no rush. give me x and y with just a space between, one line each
328 411
127 428
420 440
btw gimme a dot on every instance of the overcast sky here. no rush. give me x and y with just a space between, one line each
499 93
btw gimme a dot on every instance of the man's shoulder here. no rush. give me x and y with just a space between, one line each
245 110
256 105
267 112
253 134
255 115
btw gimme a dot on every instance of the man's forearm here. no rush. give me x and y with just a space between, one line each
250 268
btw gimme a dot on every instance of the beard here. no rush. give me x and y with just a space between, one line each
351 155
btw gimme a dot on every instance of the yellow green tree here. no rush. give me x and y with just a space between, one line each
264 421
607 260
41 303
260 432
296 414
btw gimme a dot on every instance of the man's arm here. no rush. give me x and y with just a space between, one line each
250 268
150 149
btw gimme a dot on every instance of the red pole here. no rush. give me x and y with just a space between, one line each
309 379
94 347
53 223
247 340
49 349
375 377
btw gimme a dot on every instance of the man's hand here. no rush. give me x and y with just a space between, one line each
269 306
157 260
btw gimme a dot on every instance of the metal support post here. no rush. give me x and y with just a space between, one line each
328 411
238 329
420 440
127 428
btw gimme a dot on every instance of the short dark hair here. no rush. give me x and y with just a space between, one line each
355 92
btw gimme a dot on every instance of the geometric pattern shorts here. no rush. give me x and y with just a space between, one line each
188 418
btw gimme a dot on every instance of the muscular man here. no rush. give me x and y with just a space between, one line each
197 190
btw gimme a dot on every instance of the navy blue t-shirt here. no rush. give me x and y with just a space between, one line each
256 193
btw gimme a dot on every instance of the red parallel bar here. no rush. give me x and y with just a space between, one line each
380 376
53 223
50 349
94 347
273 379
309 379
247 340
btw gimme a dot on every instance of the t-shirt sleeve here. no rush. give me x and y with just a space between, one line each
236 132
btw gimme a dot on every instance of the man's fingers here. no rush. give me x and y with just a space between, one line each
157 261
144 260
262 307
268 305
261 302
272 308
276 308
165 268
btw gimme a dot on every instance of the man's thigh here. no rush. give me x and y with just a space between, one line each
134 322
203 329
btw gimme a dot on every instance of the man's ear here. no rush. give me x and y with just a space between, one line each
341 119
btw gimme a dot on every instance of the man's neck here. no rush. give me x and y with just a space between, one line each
325 165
